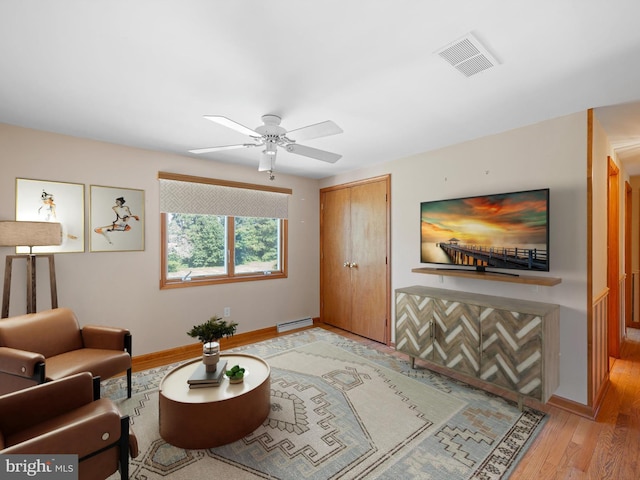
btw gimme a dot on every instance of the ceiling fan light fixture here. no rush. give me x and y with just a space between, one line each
267 162
271 148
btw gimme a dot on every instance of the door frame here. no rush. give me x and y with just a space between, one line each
613 258
628 255
387 179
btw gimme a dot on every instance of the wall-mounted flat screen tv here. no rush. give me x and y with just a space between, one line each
502 231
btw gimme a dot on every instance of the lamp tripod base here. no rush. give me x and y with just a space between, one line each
31 281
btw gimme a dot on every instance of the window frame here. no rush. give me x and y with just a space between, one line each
231 276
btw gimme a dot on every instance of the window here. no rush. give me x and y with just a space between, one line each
214 231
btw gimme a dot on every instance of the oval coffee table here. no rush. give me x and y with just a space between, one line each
198 418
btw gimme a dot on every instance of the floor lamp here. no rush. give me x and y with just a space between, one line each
29 234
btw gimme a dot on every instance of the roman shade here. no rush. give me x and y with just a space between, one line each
207 196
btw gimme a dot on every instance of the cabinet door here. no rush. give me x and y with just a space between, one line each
370 296
336 251
456 342
512 350
414 325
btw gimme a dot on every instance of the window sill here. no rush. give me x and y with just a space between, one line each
170 284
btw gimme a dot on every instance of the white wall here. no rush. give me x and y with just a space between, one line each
123 288
549 154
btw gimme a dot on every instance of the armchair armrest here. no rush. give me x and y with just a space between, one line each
109 338
20 362
44 401
86 430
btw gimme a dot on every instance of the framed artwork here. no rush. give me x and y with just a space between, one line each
45 201
117 219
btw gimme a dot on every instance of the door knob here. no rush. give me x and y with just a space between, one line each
345 264
353 265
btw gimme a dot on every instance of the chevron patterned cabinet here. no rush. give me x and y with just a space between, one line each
510 343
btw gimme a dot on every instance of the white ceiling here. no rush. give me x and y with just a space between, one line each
144 72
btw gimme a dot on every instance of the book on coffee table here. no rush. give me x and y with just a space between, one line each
201 378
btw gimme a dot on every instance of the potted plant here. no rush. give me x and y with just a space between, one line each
209 333
235 374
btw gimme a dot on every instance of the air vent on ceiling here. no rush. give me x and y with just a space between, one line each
468 55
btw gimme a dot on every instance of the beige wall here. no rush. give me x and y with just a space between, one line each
122 288
548 154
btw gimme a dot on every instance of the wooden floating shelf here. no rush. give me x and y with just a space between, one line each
494 277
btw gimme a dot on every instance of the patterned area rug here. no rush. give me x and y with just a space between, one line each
341 410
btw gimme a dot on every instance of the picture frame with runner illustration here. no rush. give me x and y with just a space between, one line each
117 219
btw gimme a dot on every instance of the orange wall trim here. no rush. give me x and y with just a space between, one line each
573 407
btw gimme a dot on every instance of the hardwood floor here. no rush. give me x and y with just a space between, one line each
573 447
570 446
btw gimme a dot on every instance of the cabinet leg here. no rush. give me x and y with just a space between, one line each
520 403
413 362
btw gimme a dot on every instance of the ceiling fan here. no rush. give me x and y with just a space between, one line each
271 135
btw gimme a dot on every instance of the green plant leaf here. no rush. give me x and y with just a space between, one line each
213 330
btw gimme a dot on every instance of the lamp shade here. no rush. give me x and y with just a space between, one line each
29 234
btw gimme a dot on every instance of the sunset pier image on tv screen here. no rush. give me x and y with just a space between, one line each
505 231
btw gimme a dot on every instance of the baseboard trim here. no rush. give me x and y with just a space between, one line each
604 388
185 352
572 407
164 357
587 411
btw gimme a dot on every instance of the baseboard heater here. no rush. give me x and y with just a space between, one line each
293 324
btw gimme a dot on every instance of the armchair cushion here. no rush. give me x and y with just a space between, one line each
44 403
101 363
49 332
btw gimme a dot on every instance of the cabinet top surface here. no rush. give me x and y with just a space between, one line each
524 306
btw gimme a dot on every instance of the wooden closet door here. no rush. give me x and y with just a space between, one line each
335 277
369 300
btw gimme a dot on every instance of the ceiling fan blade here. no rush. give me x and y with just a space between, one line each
313 153
222 147
226 122
267 162
322 129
